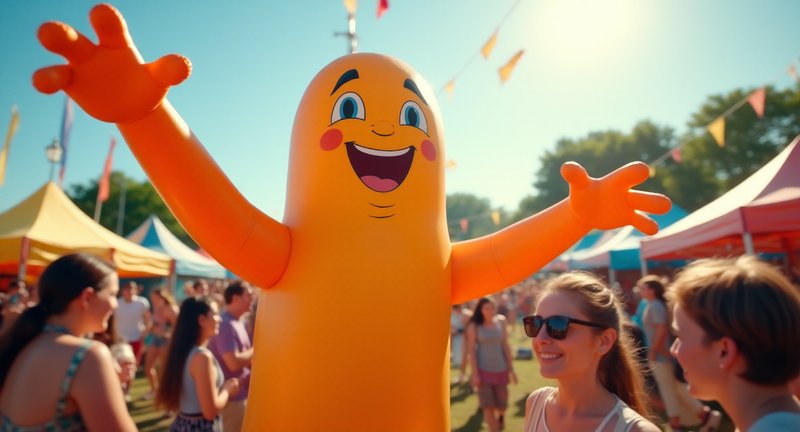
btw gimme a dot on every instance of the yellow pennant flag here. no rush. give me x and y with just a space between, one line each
652 171
489 45
449 87
350 6
12 129
451 164
505 71
496 217
717 130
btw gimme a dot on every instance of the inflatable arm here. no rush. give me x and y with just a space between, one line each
491 263
111 82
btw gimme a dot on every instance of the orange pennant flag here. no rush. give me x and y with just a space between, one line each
717 130
350 6
792 71
103 186
651 171
505 71
757 100
449 87
496 217
464 222
489 45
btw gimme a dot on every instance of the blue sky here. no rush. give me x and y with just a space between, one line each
588 65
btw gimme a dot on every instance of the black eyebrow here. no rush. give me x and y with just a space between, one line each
347 76
413 87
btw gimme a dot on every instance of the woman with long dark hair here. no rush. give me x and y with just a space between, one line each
490 358
192 382
656 323
51 376
579 339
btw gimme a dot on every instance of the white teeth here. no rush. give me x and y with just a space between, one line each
548 356
382 153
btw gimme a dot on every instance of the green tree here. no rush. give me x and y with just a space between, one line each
478 211
141 201
750 142
600 153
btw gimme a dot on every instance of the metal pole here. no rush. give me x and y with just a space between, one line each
747 238
121 209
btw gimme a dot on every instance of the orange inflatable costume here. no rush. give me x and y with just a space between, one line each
364 242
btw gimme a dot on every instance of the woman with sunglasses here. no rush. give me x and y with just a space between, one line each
579 341
490 360
738 339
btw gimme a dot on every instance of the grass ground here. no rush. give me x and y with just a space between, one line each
465 416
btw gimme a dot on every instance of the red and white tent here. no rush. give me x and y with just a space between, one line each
761 214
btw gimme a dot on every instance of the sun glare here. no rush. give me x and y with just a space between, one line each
584 32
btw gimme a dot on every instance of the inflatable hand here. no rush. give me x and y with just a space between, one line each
109 80
609 202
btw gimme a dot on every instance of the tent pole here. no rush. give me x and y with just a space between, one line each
24 251
747 238
643 263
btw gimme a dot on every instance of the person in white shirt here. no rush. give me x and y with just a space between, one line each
132 318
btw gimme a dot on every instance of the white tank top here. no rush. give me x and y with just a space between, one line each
621 414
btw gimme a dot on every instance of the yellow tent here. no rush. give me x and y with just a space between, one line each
48 224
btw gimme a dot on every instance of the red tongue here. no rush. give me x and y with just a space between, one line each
378 184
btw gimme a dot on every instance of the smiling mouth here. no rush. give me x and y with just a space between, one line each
380 170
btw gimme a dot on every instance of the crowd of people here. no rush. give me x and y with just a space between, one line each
86 336
726 330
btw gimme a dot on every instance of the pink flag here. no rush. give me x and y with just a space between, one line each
383 6
757 100
792 71
103 186
676 154
464 222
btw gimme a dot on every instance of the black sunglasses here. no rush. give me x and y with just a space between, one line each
557 325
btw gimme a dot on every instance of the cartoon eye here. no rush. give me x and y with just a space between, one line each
348 106
412 115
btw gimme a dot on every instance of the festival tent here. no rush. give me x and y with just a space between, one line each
561 262
48 224
153 234
621 250
761 214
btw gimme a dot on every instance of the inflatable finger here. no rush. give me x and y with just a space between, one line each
575 175
62 39
649 202
51 79
110 26
170 70
644 223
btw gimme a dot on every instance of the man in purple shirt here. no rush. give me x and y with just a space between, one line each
234 351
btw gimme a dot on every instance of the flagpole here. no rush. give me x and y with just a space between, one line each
352 38
121 210
98 207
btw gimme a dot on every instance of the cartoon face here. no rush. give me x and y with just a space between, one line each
366 141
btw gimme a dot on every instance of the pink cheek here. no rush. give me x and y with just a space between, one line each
331 139
428 150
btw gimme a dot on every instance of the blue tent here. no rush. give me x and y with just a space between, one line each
152 234
619 250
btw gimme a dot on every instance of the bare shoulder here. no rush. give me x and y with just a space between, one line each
643 425
202 359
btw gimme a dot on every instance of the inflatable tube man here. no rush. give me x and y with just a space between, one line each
353 319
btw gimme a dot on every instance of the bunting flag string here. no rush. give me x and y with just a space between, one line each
495 216
484 51
716 128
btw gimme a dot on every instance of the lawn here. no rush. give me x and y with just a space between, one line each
464 413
